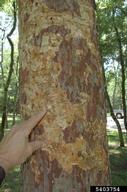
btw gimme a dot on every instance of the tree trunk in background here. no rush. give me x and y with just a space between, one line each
121 60
120 134
8 80
1 54
16 95
15 103
60 68
114 88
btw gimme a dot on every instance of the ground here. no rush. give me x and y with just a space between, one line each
118 159
118 162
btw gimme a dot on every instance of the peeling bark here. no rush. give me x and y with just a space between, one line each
62 6
60 64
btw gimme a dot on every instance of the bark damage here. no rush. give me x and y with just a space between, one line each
61 70
70 6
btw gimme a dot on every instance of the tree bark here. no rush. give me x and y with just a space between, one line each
61 70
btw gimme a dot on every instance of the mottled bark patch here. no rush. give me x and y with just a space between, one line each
61 30
91 177
55 168
56 30
75 58
94 35
92 105
26 17
93 4
23 98
66 5
72 132
78 174
24 73
40 169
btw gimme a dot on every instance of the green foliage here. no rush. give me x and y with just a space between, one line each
5 2
2 3
14 80
12 182
111 13
6 6
106 25
9 69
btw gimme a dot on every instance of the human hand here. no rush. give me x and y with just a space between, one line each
15 147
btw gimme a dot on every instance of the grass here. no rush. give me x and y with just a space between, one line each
118 159
12 181
118 165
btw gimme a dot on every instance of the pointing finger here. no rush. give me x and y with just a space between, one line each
32 122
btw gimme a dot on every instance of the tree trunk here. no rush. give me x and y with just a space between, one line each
60 68
120 134
2 74
121 139
1 55
15 103
16 95
115 87
121 59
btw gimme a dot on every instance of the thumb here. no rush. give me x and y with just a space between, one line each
35 145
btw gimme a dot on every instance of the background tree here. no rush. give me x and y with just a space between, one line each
111 56
112 29
60 68
8 76
120 134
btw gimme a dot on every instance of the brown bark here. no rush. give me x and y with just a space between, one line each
60 68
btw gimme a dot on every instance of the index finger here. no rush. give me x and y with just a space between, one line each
32 122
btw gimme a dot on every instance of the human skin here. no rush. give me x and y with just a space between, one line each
15 147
